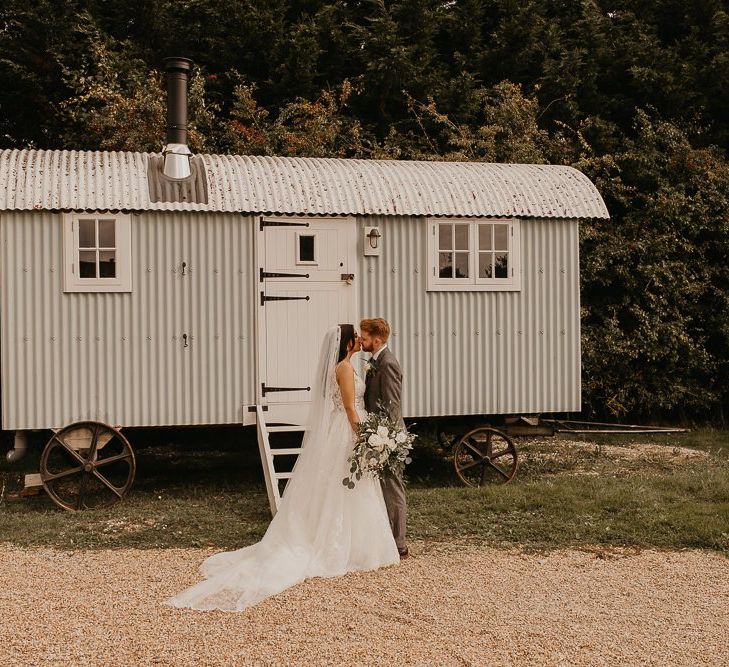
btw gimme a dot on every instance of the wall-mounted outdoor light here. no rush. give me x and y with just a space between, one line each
372 236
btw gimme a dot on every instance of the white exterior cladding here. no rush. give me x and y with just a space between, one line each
120 358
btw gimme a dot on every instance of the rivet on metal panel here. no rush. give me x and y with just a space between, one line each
454 332
174 337
53 338
541 270
217 336
371 269
541 332
416 334
432 333
98 338
124 337
498 332
417 269
216 271
149 337
394 269
562 332
478 333
149 269
563 270
519 332
26 269
53 269
25 338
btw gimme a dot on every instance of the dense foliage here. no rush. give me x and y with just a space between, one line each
635 94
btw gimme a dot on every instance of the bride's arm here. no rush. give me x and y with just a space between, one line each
345 378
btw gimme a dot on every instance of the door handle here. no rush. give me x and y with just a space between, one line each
348 278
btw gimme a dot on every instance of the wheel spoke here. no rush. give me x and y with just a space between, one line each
501 453
105 481
94 443
65 473
488 443
474 449
70 450
499 470
112 459
471 465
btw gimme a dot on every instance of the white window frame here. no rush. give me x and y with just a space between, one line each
473 283
122 247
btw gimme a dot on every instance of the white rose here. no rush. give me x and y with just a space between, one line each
375 440
401 437
383 432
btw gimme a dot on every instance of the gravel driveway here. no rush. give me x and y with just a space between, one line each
447 605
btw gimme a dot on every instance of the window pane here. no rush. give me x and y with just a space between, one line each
462 237
87 264
107 263
445 264
445 237
501 268
501 237
461 265
306 248
484 237
87 233
106 234
484 265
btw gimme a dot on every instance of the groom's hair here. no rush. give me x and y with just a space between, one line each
376 327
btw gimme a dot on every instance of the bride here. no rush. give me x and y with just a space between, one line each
322 528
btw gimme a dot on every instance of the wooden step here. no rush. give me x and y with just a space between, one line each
286 451
283 475
285 428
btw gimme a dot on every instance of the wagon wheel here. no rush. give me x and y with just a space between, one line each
485 455
87 465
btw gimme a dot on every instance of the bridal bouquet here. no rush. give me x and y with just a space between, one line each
382 447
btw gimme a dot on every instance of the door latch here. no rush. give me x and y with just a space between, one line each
348 278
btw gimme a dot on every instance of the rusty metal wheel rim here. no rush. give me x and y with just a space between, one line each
476 460
87 469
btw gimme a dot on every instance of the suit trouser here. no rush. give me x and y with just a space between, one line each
397 509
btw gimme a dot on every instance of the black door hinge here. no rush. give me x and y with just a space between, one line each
265 389
265 298
269 274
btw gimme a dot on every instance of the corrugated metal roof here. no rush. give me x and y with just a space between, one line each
86 180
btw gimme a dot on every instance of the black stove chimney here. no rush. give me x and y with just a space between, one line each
176 152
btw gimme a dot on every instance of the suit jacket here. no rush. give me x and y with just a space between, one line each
384 384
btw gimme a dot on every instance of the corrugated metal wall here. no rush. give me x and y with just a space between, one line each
121 357
480 352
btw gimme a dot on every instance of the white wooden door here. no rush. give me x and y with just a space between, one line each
306 285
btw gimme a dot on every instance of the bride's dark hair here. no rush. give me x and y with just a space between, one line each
346 337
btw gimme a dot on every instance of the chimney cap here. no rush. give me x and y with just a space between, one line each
175 63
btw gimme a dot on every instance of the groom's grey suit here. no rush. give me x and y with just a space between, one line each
384 383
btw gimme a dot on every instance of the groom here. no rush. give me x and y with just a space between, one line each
384 383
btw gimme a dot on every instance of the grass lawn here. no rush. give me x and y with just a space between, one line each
205 488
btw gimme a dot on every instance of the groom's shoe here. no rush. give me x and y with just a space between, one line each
405 553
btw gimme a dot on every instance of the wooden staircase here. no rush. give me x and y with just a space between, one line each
275 480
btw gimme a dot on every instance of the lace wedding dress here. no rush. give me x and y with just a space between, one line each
322 528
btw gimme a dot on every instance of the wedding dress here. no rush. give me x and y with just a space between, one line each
322 528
